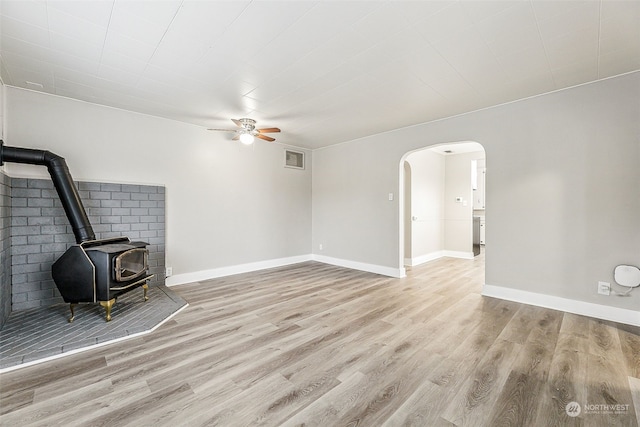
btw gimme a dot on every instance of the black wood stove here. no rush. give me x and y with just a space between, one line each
93 271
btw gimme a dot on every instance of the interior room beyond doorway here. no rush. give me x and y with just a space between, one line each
444 202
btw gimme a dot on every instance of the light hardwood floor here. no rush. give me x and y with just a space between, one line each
318 345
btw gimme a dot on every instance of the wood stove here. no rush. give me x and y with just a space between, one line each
93 271
100 270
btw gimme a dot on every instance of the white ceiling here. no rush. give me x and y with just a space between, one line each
323 71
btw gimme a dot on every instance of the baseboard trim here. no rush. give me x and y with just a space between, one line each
458 254
362 266
604 312
197 276
423 258
412 262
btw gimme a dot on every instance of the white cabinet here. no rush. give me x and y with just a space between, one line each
479 192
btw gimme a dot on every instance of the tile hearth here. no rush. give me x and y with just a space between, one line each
29 336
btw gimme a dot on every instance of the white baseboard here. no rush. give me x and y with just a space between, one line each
458 254
605 312
197 276
362 266
423 258
435 255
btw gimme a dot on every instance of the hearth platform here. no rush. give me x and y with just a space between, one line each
29 336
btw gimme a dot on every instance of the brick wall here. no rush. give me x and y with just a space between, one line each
5 247
40 230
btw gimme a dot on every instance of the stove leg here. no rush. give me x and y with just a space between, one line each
73 315
145 288
107 306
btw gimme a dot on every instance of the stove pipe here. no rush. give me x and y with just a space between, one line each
61 180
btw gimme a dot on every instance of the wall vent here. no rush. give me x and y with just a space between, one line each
293 159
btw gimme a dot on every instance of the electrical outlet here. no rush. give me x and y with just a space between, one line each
168 272
604 288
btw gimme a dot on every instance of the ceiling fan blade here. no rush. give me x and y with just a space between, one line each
265 137
237 122
268 130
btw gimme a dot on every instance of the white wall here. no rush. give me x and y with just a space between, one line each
427 205
563 198
227 204
459 215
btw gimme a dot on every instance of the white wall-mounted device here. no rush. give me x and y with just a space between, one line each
627 275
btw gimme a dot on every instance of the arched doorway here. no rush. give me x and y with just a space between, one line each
442 208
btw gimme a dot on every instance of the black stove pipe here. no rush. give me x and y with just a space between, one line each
61 180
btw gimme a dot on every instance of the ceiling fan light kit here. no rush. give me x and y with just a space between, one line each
247 131
246 138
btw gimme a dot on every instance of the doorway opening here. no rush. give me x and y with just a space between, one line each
442 213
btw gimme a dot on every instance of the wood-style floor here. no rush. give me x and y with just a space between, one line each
318 345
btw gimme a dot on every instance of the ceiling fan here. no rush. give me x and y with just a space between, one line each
247 131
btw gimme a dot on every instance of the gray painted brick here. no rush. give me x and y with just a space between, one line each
25 230
121 211
39 183
45 257
32 240
40 203
99 195
91 186
20 297
55 212
56 248
26 249
17 279
113 219
120 228
50 194
88 203
139 196
53 229
19 220
139 211
25 305
148 234
27 287
40 220
121 196
130 188
110 203
26 211
26 192
18 240
98 211
39 295
38 277
110 187
20 202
